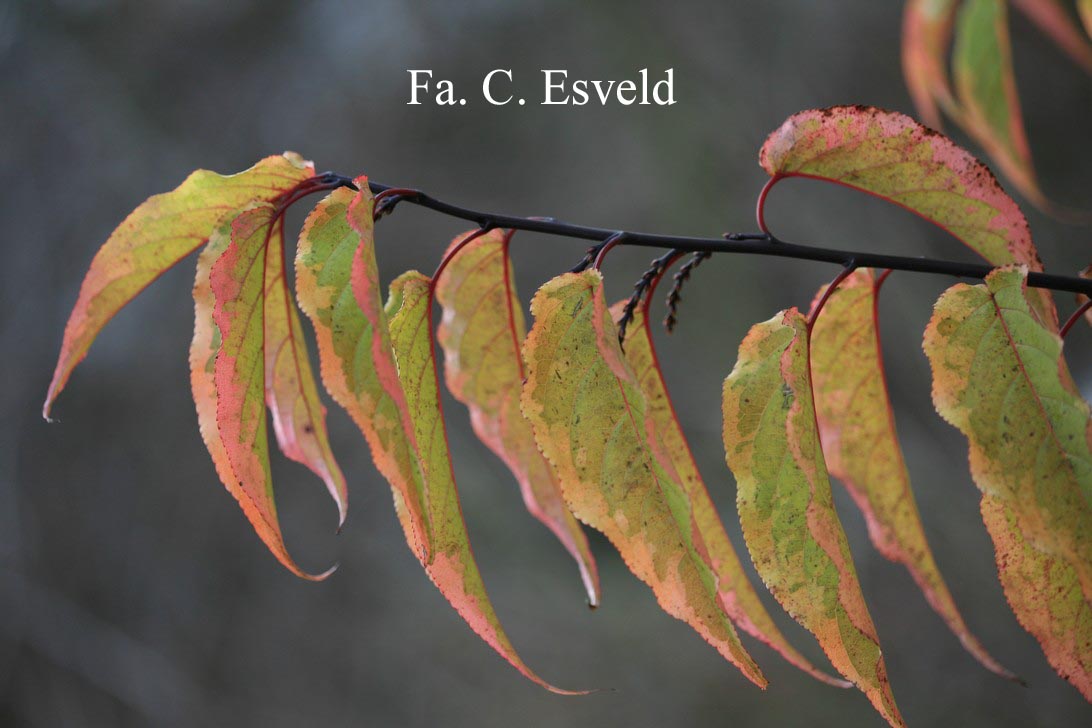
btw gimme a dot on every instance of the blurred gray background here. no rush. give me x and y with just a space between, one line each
133 591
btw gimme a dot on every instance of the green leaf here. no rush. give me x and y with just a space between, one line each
893 157
738 598
481 334
999 377
161 231
785 506
378 363
986 88
861 447
592 422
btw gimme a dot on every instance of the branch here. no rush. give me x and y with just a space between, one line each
746 243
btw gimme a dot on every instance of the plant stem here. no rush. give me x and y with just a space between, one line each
742 243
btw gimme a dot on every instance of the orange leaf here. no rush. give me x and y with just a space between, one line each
785 505
481 333
254 496
861 447
161 231
737 596
590 419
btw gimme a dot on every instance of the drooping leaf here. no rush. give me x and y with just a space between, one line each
591 420
481 333
164 229
926 32
860 445
299 417
986 87
255 498
999 377
785 504
1054 20
335 254
451 565
891 156
377 363
738 598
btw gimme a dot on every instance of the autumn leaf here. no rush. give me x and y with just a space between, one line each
592 422
164 229
299 417
860 445
334 256
1085 9
737 597
451 565
481 333
926 32
255 496
986 88
1054 20
999 377
377 362
891 156
785 504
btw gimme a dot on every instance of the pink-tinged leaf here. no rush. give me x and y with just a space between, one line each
257 503
481 333
861 447
334 256
1000 378
377 363
739 599
1054 20
591 421
161 231
926 33
451 565
785 504
893 157
299 417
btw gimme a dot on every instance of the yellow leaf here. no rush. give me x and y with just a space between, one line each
738 598
591 420
999 377
160 232
481 333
